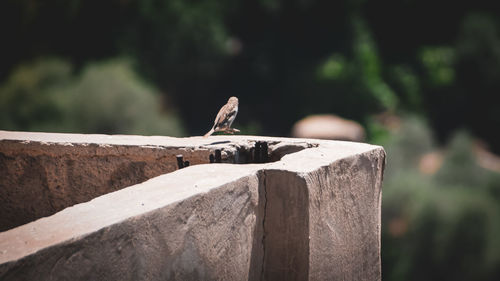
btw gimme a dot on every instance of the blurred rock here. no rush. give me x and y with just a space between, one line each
389 120
430 162
485 158
330 127
398 227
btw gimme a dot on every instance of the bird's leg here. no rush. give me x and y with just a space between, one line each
231 130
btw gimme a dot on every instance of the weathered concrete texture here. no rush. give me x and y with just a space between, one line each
42 178
322 219
344 217
312 215
174 227
286 226
41 174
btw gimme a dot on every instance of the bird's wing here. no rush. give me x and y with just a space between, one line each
222 115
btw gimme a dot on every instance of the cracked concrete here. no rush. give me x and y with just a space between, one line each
312 214
42 174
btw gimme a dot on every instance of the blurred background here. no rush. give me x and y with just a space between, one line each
421 78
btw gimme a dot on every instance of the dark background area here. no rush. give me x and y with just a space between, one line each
422 77
197 53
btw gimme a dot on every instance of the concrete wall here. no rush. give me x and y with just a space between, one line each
314 214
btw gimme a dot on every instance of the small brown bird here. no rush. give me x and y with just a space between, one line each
225 118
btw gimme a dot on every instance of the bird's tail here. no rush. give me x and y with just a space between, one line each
209 133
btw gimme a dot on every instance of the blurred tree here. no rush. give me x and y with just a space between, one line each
348 57
443 226
478 69
106 98
110 98
27 100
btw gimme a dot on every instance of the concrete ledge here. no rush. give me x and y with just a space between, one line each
313 214
45 173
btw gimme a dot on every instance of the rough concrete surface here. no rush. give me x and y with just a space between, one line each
41 174
170 228
313 214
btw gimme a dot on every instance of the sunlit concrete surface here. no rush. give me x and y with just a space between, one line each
98 207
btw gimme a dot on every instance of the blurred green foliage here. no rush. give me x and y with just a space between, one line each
435 62
27 99
104 98
438 64
439 226
110 98
353 58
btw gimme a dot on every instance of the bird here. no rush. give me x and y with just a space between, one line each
225 118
